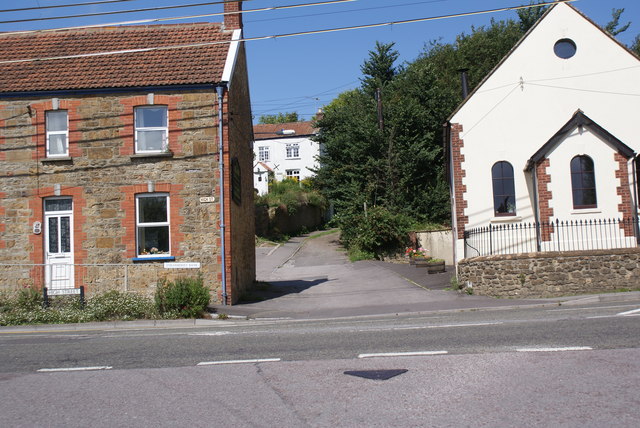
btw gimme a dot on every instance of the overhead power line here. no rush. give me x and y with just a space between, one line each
115 12
57 6
150 20
303 33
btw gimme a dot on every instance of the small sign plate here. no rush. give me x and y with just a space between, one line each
62 291
207 199
175 265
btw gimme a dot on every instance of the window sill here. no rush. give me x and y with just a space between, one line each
57 159
586 211
153 259
152 155
298 158
506 219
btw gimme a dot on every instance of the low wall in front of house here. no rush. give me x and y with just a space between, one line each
438 244
552 274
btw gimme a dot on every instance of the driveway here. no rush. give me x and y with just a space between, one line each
310 276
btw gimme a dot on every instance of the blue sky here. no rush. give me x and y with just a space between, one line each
306 72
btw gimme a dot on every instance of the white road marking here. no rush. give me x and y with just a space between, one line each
75 369
423 327
633 312
211 333
259 360
402 354
568 348
589 308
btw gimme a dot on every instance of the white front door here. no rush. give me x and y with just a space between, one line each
58 239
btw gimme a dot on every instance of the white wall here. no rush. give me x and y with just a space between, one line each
530 97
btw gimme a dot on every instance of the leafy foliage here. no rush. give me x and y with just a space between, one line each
528 17
292 194
380 232
613 27
378 70
188 297
279 118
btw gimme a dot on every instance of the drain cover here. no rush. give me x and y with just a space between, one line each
376 374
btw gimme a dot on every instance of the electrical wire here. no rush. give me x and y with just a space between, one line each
116 12
150 20
595 91
22 9
302 33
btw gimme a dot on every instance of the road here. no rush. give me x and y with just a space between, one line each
536 366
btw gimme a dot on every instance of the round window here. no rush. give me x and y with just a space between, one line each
565 48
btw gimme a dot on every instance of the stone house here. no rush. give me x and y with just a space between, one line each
283 150
112 144
551 132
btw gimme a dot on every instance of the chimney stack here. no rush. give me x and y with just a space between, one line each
465 82
232 21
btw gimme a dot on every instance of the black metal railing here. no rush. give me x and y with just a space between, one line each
572 235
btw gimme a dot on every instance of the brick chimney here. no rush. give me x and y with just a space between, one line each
232 21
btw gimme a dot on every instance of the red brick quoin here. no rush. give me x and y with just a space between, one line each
624 191
544 197
458 174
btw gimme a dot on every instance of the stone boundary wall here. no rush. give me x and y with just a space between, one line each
438 243
277 220
552 274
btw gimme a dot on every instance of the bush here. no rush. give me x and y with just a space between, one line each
291 194
188 297
380 232
114 305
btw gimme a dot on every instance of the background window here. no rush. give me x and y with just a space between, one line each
57 125
293 150
263 154
151 129
504 191
293 174
583 182
152 224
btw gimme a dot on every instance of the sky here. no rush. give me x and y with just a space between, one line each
303 73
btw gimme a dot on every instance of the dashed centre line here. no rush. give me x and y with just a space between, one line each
561 349
632 312
253 361
402 354
75 369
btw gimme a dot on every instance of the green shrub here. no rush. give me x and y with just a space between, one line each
188 297
380 232
114 305
28 298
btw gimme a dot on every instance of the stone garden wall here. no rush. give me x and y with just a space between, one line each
552 274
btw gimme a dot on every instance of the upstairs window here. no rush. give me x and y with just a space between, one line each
293 150
263 154
152 224
57 124
293 174
151 129
583 183
504 191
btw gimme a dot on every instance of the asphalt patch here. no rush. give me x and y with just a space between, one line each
376 374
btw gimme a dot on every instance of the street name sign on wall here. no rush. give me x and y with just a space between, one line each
176 265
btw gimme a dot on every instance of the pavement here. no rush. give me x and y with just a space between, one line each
310 277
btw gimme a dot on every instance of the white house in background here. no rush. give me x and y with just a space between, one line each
551 134
283 150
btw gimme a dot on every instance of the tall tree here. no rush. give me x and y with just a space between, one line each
613 26
635 46
278 118
528 17
379 70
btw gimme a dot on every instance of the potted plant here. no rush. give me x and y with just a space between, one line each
435 266
416 256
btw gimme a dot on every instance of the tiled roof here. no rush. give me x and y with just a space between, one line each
184 66
270 131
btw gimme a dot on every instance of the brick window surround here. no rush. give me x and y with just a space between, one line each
128 206
127 132
39 121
